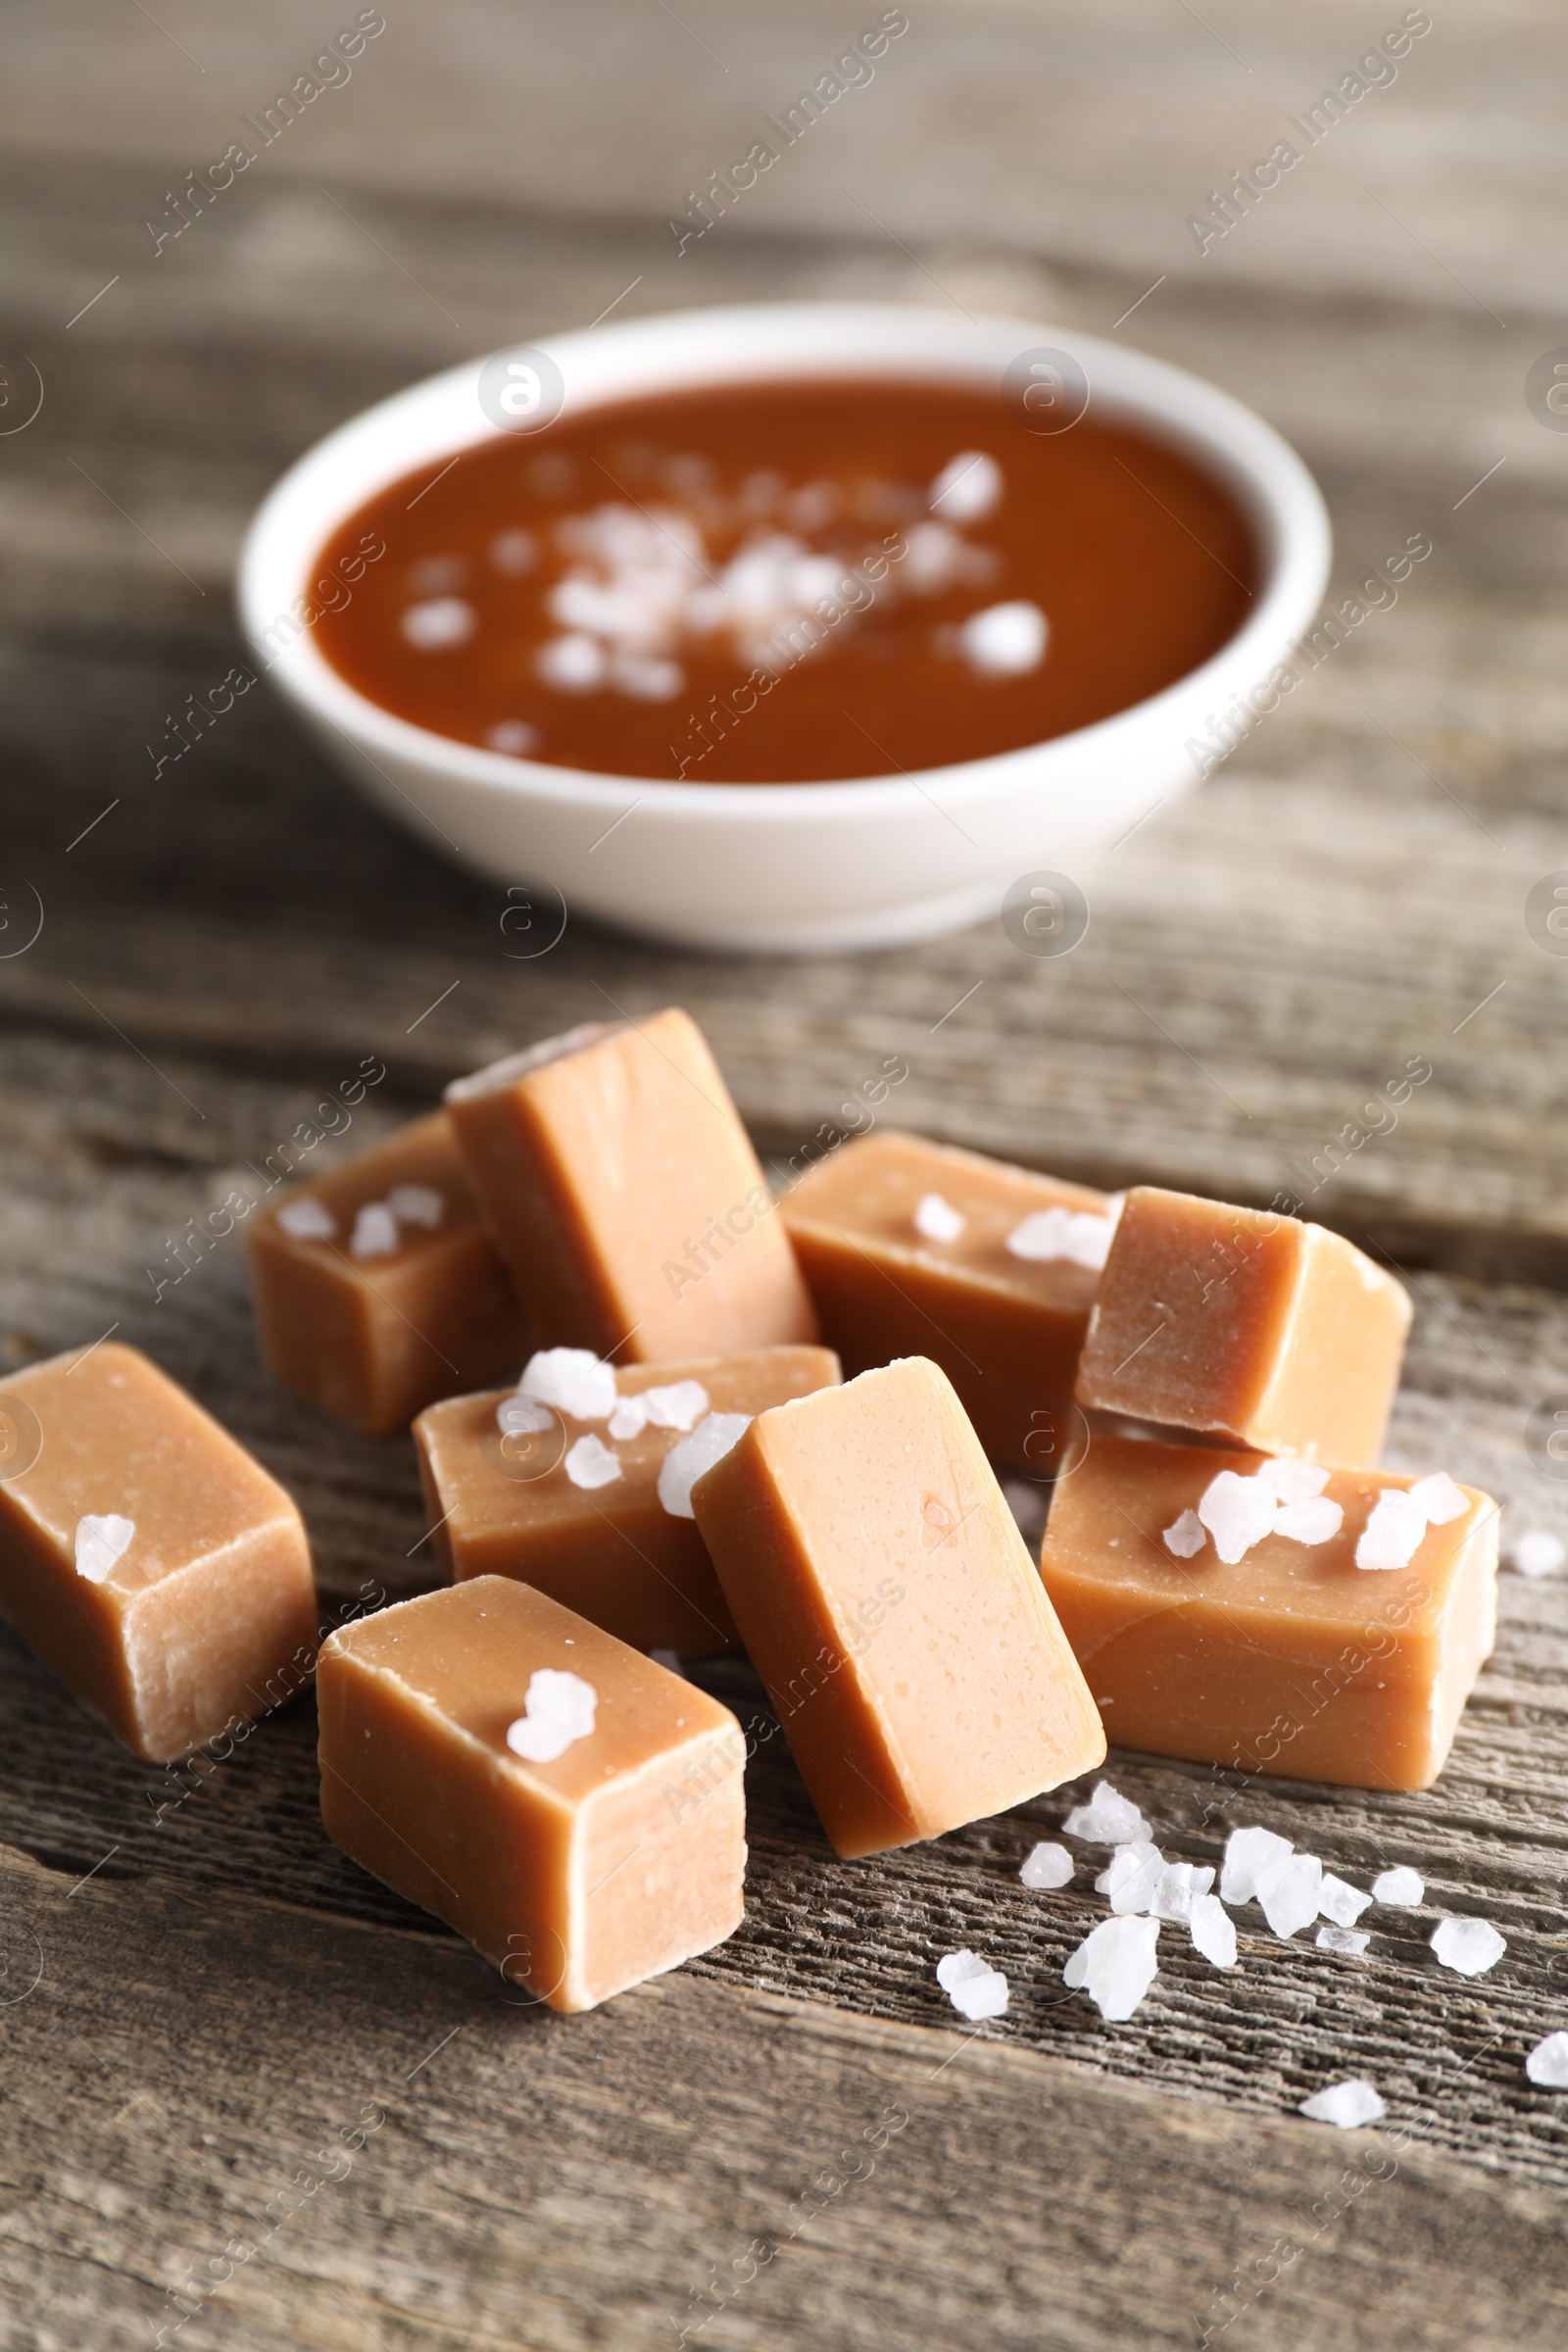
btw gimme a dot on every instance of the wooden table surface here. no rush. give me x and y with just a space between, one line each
196 1991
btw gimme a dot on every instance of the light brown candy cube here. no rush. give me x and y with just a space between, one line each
889 1604
573 1810
375 1287
1247 1325
618 1185
915 1248
605 1527
150 1562
1217 1604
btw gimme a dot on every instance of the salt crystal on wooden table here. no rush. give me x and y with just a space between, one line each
1115 1964
975 1989
1347 2104
1046 1866
1470 1946
1548 2063
1399 1887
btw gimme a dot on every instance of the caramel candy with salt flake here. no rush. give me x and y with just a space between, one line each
572 1808
618 1186
375 1287
889 1604
916 1249
1245 1325
598 1526
150 1562
1271 1615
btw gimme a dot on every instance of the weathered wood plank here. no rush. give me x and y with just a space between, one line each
568 2184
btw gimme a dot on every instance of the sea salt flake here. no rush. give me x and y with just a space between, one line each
681 1405
1439 1499
1213 1931
576 664
968 487
1178 1887
1470 1946
937 1219
629 1419
1288 1890
558 1710
1339 1901
1185 1535
416 1204
1393 1533
683 1465
1045 1865
1108 1819
442 621
1548 2063
306 1221
375 1231
514 736
1290 1481
1004 641
524 1416
1334 1939
1115 1966
1347 2104
1238 1512
1312 1522
1401 1888
101 1543
1077 1235
1249 1852
1536 1552
574 1380
975 1989
590 1463
1130 1877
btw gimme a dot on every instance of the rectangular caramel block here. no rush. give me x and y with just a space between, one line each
599 1526
1249 1325
375 1287
1244 1613
151 1563
915 1248
619 1188
573 1810
890 1608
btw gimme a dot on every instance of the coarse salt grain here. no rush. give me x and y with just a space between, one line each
558 1710
937 1219
1077 1235
1115 1966
1130 1877
1288 1892
375 1231
1178 1887
1548 2063
1536 1552
590 1463
968 488
1339 1901
524 1416
574 1380
1045 1866
443 621
1439 1499
1401 1888
629 1419
1291 1481
975 1989
514 736
1004 641
416 1204
1469 1947
1213 1931
1238 1513
683 1465
1332 1939
102 1541
1108 1819
1312 1522
1247 1853
681 1405
1185 1535
1393 1533
576 664
306 1221
1346 2104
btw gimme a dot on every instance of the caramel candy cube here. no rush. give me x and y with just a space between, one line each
151 1563
573 1810
1271 1615
892 1610
618 1185
375 1287
1248 1325
910 1247
583 1499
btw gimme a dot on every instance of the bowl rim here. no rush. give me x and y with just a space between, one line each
440 415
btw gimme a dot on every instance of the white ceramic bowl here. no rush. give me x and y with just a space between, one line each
784 869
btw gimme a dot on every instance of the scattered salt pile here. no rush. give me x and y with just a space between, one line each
1115 1966
1285 1497
1470 1946
975 1989
680 1407
1533 1553
689 1457
1046 1866
1347 2104
560 1707
937 1219
1108 1819
1079 1236
1548 2063
1400 1887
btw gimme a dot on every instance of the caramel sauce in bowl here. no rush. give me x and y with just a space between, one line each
789 628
